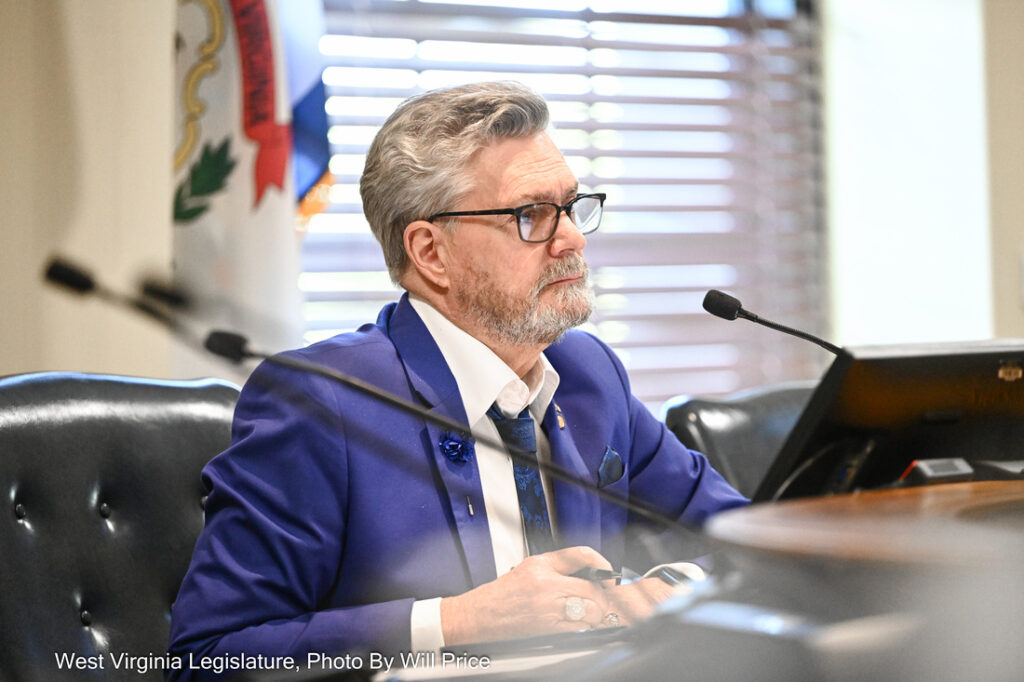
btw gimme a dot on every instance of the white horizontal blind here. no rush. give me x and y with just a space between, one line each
703 129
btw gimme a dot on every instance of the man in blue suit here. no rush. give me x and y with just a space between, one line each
335 523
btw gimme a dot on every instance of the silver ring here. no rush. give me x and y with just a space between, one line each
612 619
575 609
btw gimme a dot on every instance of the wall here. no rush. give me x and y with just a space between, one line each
916 165
1004 73
85 128
907 171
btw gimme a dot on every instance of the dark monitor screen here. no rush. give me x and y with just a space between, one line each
879 408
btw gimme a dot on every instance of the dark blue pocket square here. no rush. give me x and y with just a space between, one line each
611 468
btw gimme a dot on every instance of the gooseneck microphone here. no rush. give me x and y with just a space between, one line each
721 304
64 273
60 271
235 347
229 345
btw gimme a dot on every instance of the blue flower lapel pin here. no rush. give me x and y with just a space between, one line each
455 448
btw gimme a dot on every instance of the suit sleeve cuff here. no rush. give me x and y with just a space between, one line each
426 625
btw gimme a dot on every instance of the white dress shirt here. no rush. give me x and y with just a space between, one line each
483 379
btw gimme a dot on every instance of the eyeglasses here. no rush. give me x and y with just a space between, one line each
537 222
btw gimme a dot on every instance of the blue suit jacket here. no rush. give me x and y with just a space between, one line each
331 513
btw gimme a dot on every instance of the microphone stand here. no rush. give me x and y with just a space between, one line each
234 347
721 304
747 315
517 455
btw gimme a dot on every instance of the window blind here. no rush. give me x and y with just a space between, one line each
702 128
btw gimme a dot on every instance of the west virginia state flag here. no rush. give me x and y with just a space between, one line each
236 236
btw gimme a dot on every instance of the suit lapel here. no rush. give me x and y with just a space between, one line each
434 384
578 512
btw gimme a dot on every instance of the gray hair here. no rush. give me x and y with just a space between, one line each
417 162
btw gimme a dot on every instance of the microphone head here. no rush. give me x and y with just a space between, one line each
721 304
165 293
71 276
227 345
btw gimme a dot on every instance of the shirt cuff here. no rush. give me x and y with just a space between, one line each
427 634
681 570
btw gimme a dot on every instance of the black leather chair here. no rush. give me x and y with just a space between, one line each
740 433
100 480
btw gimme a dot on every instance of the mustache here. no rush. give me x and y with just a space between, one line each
572 265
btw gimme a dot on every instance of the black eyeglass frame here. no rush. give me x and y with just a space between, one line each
519 210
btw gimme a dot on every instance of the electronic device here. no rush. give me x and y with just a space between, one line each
880 408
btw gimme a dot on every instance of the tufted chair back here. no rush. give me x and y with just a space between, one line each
102 501
740 433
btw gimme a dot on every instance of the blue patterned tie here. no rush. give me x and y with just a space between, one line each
518 433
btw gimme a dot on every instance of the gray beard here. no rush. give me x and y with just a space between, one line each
523 321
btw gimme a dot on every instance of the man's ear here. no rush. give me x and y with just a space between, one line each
427 247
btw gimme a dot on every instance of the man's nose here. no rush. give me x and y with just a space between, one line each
567 236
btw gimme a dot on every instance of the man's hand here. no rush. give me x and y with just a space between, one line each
635 601
531 600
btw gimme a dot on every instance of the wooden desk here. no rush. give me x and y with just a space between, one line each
959 524
919 583
909 584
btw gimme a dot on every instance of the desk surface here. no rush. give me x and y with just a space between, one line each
952 524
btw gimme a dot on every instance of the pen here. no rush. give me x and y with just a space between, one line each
589 573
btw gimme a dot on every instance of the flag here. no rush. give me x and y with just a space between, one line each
236 238
302 26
